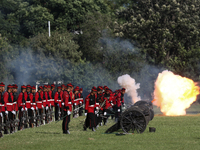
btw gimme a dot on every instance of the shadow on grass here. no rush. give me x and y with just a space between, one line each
48 132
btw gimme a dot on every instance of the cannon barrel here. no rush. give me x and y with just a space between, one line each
134 118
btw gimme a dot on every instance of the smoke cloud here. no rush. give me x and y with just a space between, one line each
130 85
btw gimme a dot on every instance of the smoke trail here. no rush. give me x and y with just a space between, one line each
130 85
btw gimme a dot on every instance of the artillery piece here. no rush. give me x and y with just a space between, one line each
134 118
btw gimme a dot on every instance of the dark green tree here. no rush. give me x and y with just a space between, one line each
167 31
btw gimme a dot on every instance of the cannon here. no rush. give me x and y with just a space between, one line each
134 118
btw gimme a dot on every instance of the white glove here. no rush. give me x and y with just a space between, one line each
95 112
32 108
42 106
1 114
112 104
118 110
6 112
97 108
75 104
68 112
36 108
63 104
97 115
47 108
13 112
104 113
80 102
25 108
22 109
85 114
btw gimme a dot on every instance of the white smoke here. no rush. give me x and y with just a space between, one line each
130 85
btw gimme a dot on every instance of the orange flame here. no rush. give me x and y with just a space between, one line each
174 94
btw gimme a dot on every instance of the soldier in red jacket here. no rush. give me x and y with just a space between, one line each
15 107
58 100
119 103
107 98
99 101
76 102
80 101
21 101
28 103
8 100
51 96
38 99
90 104
2 112
33 106
67 109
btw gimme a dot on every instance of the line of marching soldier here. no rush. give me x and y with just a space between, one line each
31 108
102 103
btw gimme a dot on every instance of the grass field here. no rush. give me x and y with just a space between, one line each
171 133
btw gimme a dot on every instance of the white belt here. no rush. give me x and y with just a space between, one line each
44 101
78 99
15 102
22 103
33 103
59 100
28 101
39 102
69 102
91 106
1 105
9 104
97 103
51 100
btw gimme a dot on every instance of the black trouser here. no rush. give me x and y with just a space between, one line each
30 115
1 123
65 122
99 118
40 113
80 110
90 120
20 119
10 116
57 109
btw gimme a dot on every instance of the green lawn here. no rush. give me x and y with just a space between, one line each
171 133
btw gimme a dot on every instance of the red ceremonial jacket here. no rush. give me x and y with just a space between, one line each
29 99
67 101
120 99
90 103
38 99
21 100
58 98
8 99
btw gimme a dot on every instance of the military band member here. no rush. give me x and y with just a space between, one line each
2 105
80 96
58 101
15 107
21 101
90 104
67 100
8 99
33 106
76 102
38 99
119 103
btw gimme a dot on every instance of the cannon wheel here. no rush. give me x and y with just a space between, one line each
133 120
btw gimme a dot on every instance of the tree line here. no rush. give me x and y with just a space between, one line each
94 41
